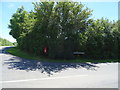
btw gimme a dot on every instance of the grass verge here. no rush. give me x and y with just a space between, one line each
15 51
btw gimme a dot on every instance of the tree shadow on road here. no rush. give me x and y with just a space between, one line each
45 67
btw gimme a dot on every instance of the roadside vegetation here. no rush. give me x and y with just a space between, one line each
17 52
4 42
55 30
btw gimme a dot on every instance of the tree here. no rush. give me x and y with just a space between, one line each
4 42
101 40
16 21
57 26
21 24
64 27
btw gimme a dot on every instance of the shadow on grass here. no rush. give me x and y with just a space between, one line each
45 67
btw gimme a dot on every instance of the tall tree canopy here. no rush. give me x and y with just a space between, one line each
101 39
62 28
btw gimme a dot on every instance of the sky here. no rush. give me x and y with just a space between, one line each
107 10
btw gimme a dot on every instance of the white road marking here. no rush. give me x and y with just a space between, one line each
50 78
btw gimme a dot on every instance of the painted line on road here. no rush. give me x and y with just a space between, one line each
50 78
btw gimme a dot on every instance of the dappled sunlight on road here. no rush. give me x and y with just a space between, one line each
45 67
18 72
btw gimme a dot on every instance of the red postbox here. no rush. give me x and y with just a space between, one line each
45 50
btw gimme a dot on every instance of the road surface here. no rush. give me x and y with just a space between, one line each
23 73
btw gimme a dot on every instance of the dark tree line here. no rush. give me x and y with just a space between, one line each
64 27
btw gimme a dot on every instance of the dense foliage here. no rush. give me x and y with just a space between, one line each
4 42
102 39
63 28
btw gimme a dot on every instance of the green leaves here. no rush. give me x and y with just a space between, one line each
101 40
64 27
4 42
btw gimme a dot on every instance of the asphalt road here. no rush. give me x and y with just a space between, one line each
22 73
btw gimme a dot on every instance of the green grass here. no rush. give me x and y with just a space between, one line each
15 51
